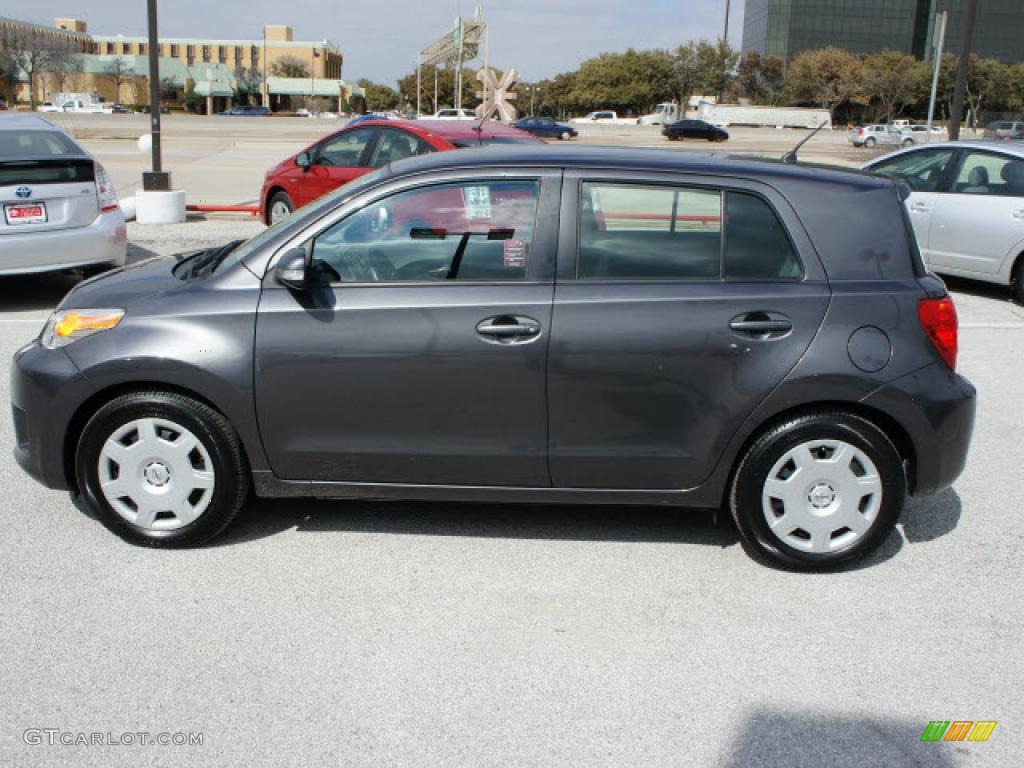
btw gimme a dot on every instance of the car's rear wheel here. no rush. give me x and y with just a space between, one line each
818 490
161 469
1017 287
869 142
280 207
907 143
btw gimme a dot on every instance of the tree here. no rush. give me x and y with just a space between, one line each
118 70
378 97
762 78
249 82
716 66
827 78
1015 86
289 66
987 82
630 81
34 54
688 78
894 80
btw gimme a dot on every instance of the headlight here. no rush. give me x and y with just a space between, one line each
69 325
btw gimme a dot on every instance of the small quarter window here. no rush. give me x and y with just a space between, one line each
757 246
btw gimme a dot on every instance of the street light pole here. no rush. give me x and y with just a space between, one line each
726 35
943 18
156 179
970 11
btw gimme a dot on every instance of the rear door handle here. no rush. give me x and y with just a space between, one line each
508 329
1019 214
921 207
763 325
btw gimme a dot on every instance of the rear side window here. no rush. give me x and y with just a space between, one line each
757 246
640 232
675 233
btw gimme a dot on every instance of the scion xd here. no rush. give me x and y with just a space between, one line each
527 324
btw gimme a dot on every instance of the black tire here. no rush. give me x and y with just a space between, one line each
869 142
215 433
279 197
564 136
1017 287
771 447
907 143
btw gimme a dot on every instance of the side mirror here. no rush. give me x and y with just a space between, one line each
304 161
291 269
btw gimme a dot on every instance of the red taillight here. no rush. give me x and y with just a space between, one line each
938 318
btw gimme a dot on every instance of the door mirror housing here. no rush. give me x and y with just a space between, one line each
291 270
303 160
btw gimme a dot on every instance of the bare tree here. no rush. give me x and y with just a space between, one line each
118 70
249 82
34 54
289 66
63 69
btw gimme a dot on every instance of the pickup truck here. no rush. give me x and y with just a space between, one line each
86 107
605 117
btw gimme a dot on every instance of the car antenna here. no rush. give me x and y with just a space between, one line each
790 157
480 128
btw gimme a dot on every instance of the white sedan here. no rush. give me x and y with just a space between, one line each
967 207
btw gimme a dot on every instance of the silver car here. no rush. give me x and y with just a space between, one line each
871 135
59 209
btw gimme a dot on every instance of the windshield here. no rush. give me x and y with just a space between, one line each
305 215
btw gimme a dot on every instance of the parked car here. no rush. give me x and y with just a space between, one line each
368 116
877 134
146 109
967 207
359 148
120 109
546 128
59 206
694 129
467 326
247 110
47 106
454 114
1003 129
3 104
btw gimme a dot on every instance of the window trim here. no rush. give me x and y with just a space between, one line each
722 277
301 241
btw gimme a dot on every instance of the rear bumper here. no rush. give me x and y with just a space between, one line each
105 241
936 407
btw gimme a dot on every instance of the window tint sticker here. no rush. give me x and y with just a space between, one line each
515 254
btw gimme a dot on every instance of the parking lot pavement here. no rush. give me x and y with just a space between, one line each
372 633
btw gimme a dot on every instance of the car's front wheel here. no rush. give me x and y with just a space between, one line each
565 136
817 490
161 469
281 207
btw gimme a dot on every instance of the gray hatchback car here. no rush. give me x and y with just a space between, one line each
582 325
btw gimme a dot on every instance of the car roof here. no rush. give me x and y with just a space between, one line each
634 159
998 146
25 122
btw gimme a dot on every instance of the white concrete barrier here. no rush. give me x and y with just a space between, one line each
160 207
127 205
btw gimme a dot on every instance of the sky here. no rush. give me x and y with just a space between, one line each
380 39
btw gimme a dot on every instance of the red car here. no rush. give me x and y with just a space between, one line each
351 152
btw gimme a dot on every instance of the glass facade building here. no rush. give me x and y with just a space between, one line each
787 27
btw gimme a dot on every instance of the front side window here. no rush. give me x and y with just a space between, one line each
649 232
922 170
473 230
345 149
986 173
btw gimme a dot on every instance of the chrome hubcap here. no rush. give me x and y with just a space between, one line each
279 211
156 474
822 496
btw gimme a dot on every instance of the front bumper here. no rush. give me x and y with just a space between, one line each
46 390
105 241
936 407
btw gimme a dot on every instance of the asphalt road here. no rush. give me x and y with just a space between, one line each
367 634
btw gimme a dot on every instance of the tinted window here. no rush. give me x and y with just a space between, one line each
345 149
640 232
921 170
985 173
36 144
397 145
757 246
468 231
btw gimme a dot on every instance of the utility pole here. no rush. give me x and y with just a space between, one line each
970 11
943 18
266 93
157 179
726 35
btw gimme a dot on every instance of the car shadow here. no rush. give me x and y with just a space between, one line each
24 293
977 288
268 517
812 738
926 518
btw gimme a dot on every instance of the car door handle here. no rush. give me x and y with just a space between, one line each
762 325
508 329
1019 215
921 207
